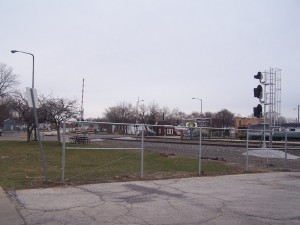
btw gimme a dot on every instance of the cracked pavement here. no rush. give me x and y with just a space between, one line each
266 198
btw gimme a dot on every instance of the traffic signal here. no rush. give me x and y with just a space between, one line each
258 92
257 111
258 76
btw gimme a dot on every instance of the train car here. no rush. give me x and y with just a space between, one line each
291 130
277 133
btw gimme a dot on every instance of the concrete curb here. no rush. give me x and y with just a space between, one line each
8 214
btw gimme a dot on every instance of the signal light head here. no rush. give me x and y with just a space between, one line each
257 111
258 92
258 76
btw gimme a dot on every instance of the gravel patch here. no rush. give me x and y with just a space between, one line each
232 155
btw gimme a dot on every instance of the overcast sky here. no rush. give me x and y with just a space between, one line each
162 51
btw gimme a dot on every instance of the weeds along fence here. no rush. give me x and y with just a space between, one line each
199 139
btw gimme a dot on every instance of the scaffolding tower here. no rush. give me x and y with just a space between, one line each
272 96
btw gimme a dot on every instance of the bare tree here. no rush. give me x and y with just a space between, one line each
175 117
150 114
8 80
208 115
56 108
121 113
18 104
224 118
194 115
153 114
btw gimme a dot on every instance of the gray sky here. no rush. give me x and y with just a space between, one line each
163 51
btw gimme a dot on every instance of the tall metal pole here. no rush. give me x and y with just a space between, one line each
265 114
81 109
200 152
200 141
285 150
298 113
142 154
137 113
247 150
36 117
39 137
32 71
63 157
137 109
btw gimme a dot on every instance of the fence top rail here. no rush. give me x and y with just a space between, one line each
125 124
86 148
266 148
184 127
152 125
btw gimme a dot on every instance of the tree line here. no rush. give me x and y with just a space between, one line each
52 110
154 114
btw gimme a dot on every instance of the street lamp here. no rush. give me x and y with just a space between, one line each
200 140
201 107
298 113
137 113
137 109
35 115
14 51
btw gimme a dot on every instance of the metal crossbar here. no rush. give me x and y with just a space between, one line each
82 148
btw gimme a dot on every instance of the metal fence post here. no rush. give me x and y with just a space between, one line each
63 151
200 152
142 154
285 150
247 149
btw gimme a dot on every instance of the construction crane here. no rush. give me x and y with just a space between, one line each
81 108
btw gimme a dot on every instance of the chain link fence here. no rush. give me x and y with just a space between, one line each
245 150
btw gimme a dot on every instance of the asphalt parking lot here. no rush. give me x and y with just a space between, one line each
264 198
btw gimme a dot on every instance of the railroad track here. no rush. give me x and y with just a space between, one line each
223 142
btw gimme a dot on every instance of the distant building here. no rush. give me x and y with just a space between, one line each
10 125
164 129
244 122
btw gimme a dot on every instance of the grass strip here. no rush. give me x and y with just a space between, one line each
21 167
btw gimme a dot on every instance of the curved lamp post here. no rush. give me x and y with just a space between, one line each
200 140
14 51
35 115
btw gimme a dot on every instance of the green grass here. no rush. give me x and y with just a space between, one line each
21 167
